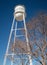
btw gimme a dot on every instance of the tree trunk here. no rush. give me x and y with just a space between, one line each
43 63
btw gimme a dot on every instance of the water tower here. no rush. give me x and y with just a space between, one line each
19 16
19 12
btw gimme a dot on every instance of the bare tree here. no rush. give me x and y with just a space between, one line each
38 47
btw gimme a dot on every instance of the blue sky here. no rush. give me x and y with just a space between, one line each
6 17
